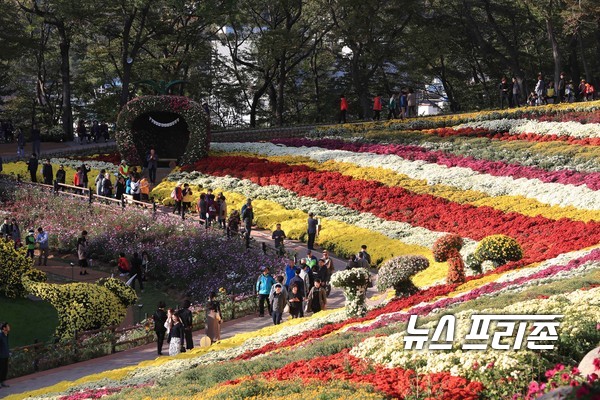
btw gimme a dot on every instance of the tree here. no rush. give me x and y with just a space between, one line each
371 41
65 17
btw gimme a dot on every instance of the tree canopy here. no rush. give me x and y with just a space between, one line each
279 62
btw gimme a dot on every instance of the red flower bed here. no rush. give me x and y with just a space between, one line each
541 238
394 382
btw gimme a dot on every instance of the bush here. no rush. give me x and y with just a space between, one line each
15 266
397 272
498 249
54 134
82 306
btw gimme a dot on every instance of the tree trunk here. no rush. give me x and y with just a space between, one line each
317 98
555 50
588 75
573 63
360 85
125 82
65 72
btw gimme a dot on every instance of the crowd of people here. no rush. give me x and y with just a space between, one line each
96 132
402 104
545 91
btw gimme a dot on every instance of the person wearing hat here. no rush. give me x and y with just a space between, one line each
278 301
124 169
30 243
312 230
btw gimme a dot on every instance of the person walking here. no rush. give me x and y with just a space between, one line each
160 318
263 288
214 318
516 93
177 195
278 301
136 271
392 107
504 89
30 244
15 233
186 319
412 103
4 353
247 217
377 107
32 166
176 336
278 236
343 109
311 230
82 253
152 160
43 246
317 298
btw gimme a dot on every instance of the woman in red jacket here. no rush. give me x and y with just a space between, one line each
343 109
377 107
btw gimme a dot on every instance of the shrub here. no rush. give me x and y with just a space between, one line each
354 282
15 266
499 249
125 293
397 272
82 306
447 248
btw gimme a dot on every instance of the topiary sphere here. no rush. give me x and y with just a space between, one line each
397 272
446 247
498 248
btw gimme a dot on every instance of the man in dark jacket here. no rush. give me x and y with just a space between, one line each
186 318
4 352
159 318
32 166
298 281
47 172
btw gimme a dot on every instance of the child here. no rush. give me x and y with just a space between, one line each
295 301
317 297
30 243
123 265
278 302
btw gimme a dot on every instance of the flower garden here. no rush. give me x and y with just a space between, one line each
494 213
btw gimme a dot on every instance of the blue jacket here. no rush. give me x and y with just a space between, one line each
264 283
4 353
290 272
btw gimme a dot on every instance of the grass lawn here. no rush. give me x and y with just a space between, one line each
28 319
150 298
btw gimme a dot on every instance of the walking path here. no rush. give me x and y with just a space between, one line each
148 352
65 268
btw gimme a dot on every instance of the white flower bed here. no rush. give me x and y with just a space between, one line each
519 126
463 178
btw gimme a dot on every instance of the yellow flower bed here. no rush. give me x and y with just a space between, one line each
261 389
518 204
20 168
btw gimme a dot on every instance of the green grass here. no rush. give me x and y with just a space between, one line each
150 298
29 320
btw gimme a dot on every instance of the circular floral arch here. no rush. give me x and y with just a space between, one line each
188 110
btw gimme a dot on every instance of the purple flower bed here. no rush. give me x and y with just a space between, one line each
183 255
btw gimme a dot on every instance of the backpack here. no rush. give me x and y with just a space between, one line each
174 193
